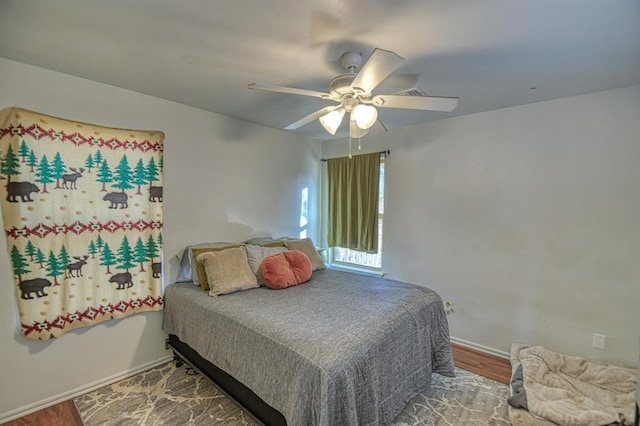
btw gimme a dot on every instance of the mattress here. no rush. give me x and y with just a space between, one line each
343 348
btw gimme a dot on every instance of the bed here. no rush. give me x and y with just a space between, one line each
340 349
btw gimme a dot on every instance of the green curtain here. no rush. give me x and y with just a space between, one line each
353 202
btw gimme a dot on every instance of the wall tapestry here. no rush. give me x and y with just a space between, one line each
82 213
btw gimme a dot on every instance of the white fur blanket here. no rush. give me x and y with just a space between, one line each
572 391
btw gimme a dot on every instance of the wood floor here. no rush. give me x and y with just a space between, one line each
493 367
62 414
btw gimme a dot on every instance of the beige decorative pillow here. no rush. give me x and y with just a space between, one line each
307 247
198 274
188 264
227 271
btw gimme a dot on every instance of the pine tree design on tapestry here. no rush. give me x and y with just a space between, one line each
33 175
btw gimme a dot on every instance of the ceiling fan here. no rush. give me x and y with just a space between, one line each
354 94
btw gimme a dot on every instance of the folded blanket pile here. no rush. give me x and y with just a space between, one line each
572 391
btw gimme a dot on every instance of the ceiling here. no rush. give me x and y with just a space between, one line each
490 53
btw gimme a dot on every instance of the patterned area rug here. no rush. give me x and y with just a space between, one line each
167 395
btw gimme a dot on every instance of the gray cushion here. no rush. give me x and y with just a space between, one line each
256 253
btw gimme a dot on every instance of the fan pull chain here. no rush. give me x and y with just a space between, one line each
360 143
349 145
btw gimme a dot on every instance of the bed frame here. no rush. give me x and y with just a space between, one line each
236 390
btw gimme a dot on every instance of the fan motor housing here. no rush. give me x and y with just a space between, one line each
341 85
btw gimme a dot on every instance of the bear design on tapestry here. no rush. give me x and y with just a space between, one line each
117 199
155 194
10 166
27 287
157 269
22 190
84 242
121 279
36 286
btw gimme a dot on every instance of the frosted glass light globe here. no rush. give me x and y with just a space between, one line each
365 116
331 121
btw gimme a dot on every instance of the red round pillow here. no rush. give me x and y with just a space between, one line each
285 269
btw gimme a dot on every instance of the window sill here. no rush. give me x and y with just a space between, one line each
355 268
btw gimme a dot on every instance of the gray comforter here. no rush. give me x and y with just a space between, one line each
341 349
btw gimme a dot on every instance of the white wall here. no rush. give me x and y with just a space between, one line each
526 218
224 179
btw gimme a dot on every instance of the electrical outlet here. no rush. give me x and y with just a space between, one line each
599 341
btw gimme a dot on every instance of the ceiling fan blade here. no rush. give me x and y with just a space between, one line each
398 83
428 103
289 90
309 118
379 65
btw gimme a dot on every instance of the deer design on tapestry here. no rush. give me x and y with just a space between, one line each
71 178
76 266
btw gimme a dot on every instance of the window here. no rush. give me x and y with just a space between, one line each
359 259
304 212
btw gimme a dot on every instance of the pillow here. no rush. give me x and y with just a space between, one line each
285 269
267 241
184 271
187 270
256 253
198 275
307 247
274 243
227 271
258 240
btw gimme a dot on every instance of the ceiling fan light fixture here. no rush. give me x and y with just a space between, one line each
331 121
353 92
355 131
365 116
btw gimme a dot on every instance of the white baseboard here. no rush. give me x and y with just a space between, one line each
48 402
481 348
